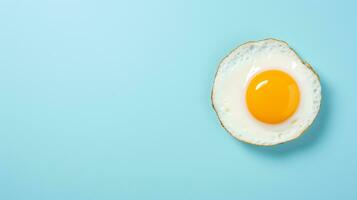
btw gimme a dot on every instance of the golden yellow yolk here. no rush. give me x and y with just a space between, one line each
272 96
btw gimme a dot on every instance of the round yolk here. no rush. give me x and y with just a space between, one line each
272 96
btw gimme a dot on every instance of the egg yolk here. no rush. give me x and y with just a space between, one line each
272 96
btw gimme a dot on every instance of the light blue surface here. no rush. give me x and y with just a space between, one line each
111 100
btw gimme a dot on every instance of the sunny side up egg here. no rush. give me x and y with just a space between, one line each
264 94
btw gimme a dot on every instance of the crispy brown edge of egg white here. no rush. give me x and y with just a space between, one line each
302 61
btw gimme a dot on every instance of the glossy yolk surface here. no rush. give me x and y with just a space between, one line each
272 96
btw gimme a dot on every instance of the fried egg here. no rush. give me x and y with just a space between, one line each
264 94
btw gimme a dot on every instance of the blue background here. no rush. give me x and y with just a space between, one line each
111 100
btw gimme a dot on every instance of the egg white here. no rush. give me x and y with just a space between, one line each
231 81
